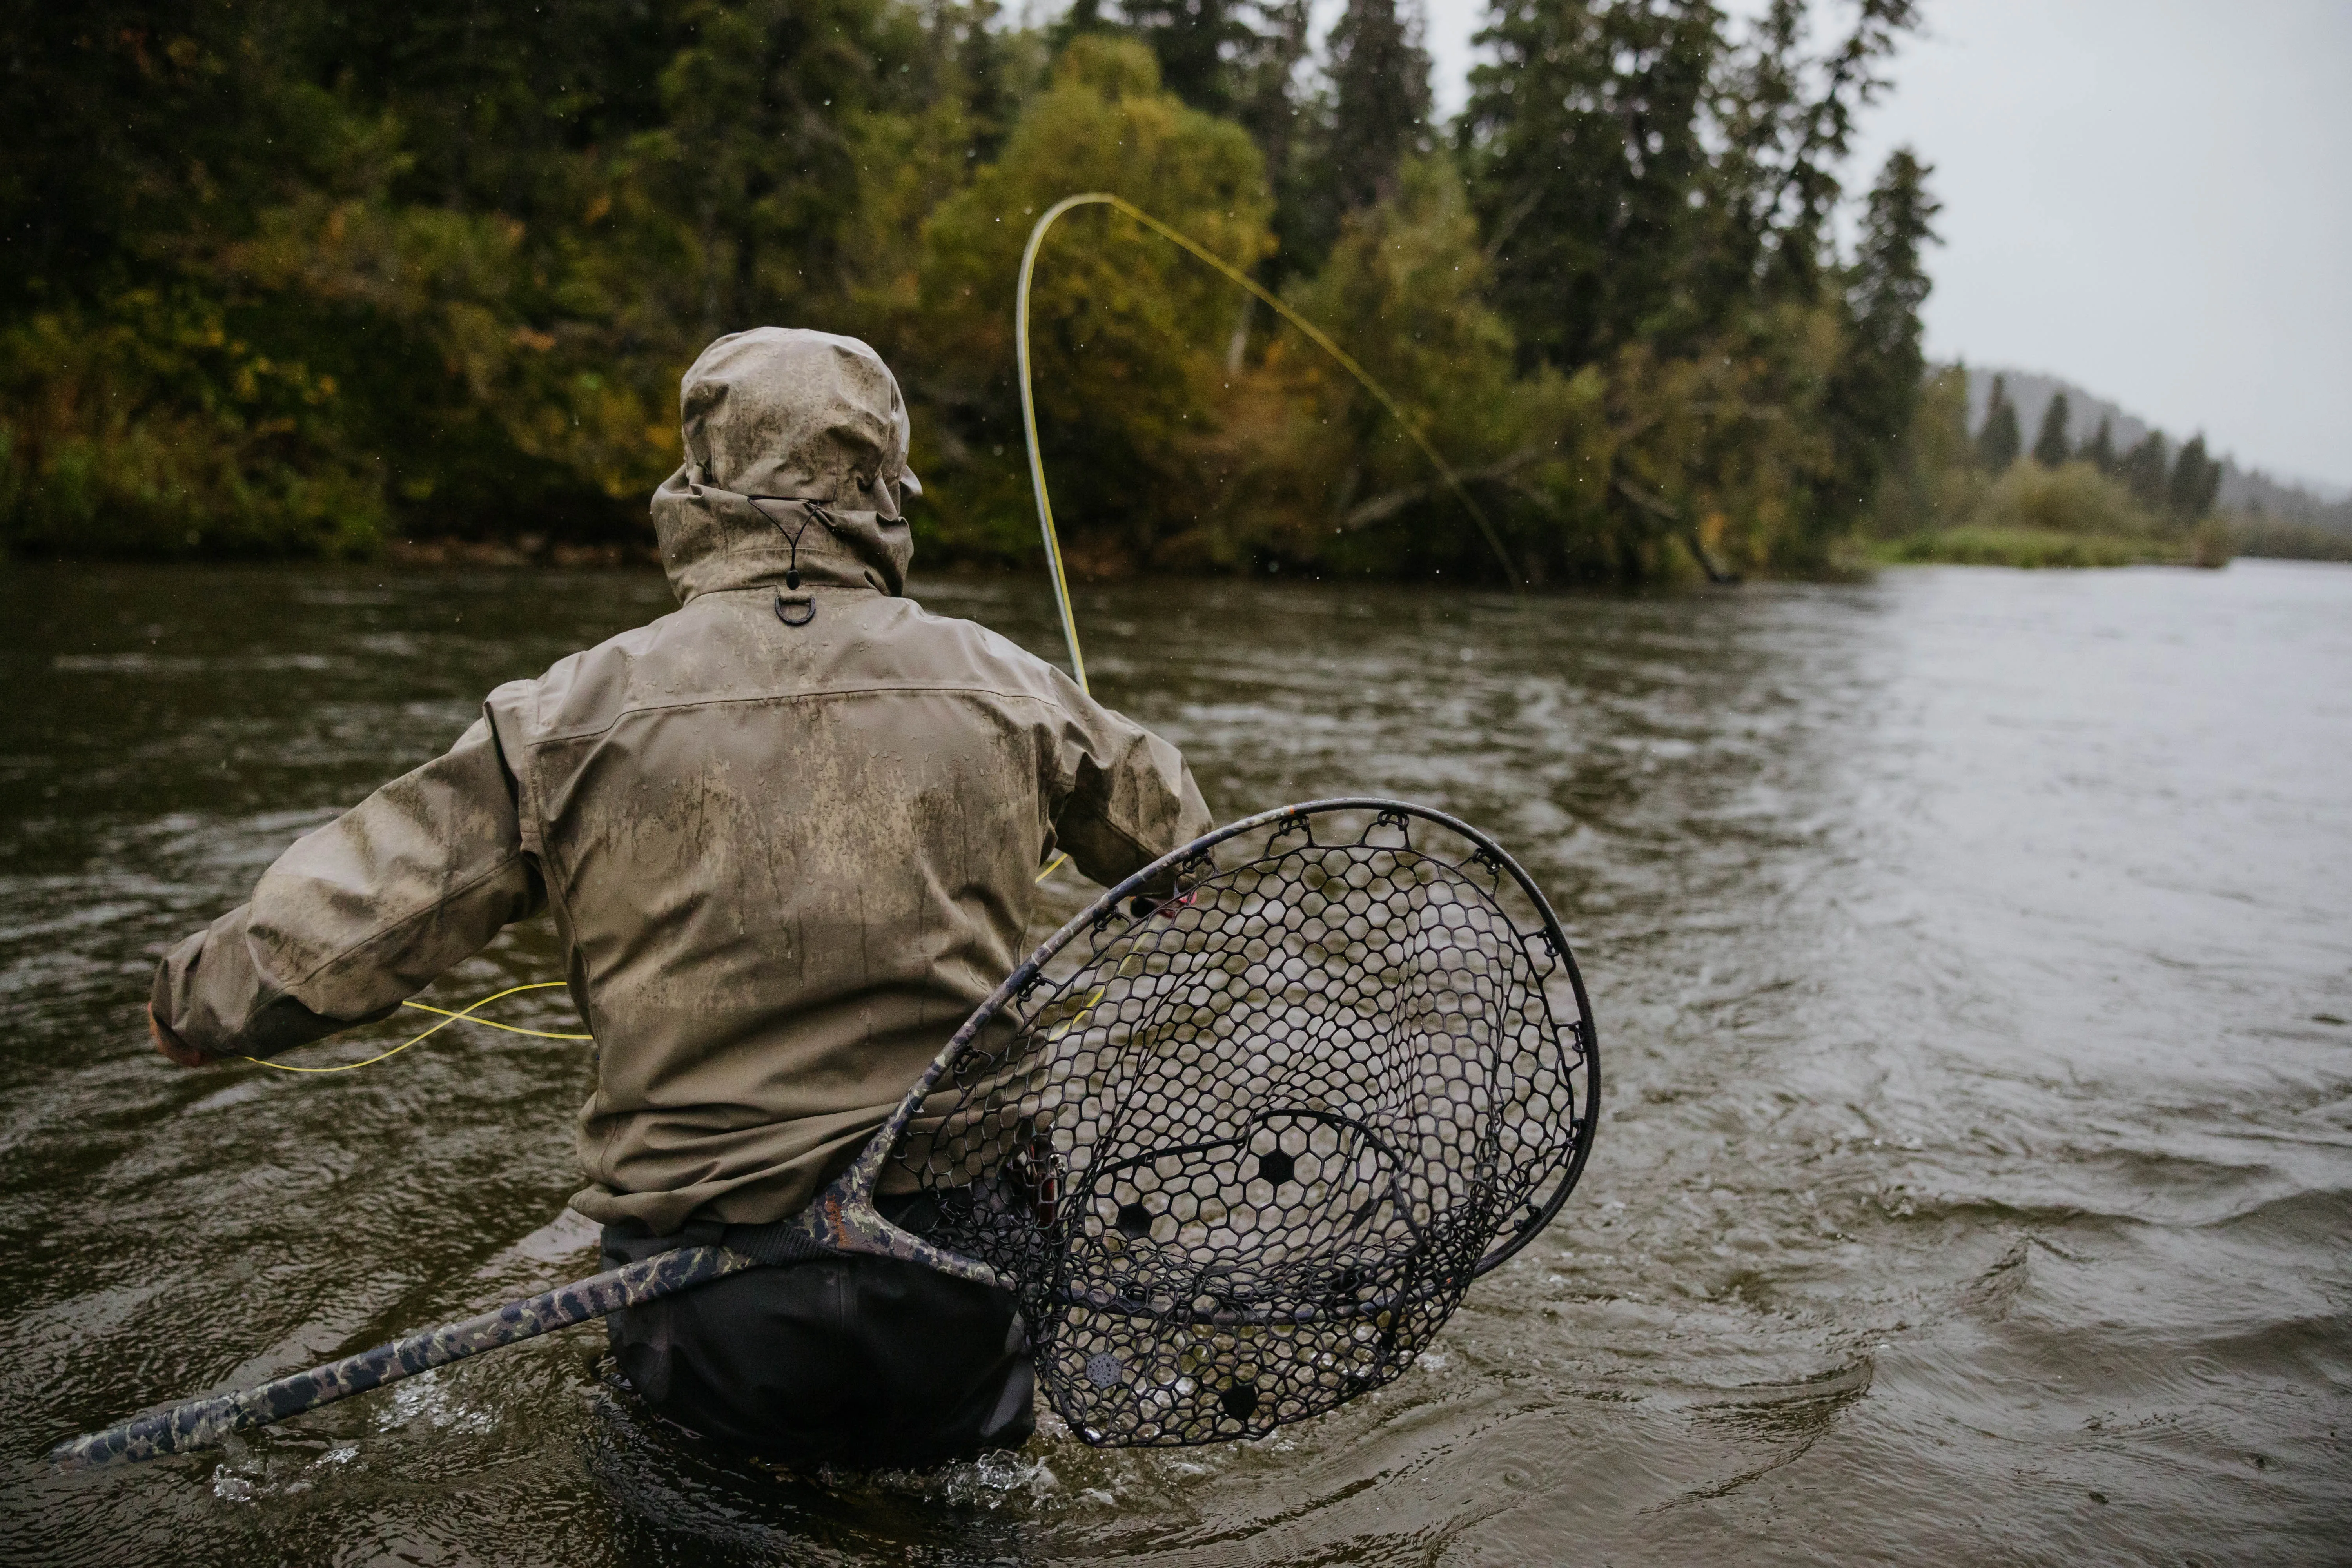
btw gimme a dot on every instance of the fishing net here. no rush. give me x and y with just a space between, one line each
1238 1152
1241 1152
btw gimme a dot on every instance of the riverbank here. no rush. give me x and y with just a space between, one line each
2030 549
2033 548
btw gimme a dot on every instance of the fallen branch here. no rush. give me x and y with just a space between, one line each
1666 511
1390 502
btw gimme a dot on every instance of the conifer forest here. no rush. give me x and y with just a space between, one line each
291 278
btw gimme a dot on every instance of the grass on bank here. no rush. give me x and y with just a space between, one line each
2028 547
2072 515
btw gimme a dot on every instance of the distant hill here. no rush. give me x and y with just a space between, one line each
2243 488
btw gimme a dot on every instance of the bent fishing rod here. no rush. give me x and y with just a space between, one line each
1313 334
1322 339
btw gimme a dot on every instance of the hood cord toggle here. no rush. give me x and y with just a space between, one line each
813 511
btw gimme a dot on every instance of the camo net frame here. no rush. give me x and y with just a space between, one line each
1241 1154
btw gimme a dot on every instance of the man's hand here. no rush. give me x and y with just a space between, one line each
171 1046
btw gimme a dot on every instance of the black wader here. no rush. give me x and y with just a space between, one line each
867 1363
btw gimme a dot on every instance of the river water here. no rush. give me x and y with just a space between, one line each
1973 957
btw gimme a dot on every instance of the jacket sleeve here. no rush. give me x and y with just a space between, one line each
361 914
1124 797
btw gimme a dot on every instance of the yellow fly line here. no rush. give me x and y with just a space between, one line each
464 1015
1313 334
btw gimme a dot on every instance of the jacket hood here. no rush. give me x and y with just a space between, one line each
774 418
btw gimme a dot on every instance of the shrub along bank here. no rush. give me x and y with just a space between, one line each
1977 499
290 279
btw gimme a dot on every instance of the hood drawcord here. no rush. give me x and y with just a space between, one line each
812 511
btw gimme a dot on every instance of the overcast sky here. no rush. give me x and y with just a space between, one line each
2151 198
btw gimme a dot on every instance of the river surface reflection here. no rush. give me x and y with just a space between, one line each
1973 957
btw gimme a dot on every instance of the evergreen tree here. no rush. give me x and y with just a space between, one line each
1878 386
493 88
1271 111
1784 118
2051 448
1083 16
1380 93
2145 467
971 35
1240 58
2099 451
1640 175
2196 480
1585 139
1195 40
1371 114
1998 439
754 154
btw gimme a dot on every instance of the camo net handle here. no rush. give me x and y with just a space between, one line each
1243 1153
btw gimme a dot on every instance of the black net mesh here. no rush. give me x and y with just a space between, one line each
1243 1154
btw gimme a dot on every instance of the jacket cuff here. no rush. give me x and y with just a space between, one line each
159 1001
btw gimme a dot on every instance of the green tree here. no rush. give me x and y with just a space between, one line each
2099 451
2051 447
756 157
491 92
124 122
1372 113
1998 438
1656 193
2196 480
292 278
1875 394
2145 469
1194 42
1128 333
1404 289
1585 139
1271 109
1380 91
1932 480
1784 115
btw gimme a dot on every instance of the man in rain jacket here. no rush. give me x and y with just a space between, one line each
788 836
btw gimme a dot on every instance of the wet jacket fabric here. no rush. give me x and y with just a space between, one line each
789 834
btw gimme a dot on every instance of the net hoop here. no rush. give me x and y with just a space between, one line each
843 1219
